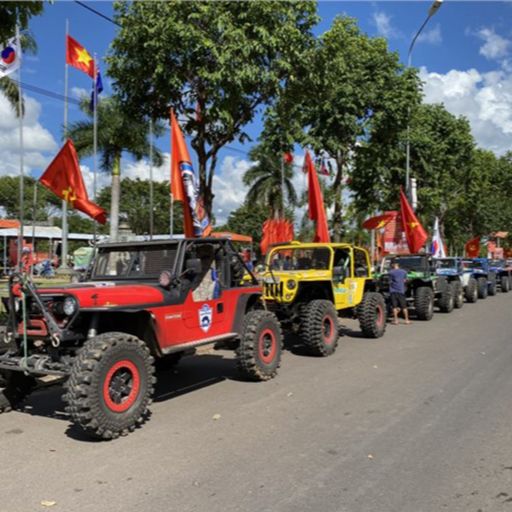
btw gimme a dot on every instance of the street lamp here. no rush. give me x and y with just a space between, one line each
433 9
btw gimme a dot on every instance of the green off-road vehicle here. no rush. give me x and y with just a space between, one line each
307 285
424 288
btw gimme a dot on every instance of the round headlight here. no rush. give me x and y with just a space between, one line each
291 284
70 306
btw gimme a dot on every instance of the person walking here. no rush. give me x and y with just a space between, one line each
397 279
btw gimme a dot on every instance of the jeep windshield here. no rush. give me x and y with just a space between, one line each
300 259
412 263
446 263
469 264
134 262
497 263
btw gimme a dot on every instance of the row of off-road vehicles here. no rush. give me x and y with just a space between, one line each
145 304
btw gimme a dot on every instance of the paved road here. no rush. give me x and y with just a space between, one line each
420 420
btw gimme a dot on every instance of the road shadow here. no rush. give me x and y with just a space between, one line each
191 374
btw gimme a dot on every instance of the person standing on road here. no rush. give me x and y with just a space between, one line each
397 278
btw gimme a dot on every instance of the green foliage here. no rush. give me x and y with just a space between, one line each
46 205
135 206
215 63
248 220
265 180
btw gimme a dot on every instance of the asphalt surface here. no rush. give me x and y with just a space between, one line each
420 420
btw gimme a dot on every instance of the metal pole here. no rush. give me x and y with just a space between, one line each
172 216
282 187
372 247
151 220
433 9
34 211
95 137
64 248
21 194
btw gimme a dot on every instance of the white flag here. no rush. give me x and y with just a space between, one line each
10 57
437 242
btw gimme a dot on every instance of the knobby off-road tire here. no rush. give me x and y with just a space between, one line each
492 286
458 294
14 388
319 327
482 287
505 284
110 386
446 300
471 291
424 303
372 315
261 343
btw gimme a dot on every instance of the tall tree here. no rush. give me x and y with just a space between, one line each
135 207
265 180
215 63
118 132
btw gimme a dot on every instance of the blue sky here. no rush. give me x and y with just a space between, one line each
464 55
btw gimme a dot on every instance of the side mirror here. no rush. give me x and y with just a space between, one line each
193 266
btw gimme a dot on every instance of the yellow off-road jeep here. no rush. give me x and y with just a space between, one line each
309 284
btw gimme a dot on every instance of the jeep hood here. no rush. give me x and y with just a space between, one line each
108 294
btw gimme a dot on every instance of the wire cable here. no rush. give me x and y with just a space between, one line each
100 14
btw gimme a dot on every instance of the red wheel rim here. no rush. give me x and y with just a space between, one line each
267 346
121 386
380 315
328 330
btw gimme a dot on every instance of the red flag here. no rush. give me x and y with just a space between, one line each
184 186
78 57
473 247
378 221
275 231
64 179
414 232
316 202
288 158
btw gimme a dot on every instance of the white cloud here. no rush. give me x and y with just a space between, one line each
383 24
495 46
39 144
432 36
484 98
79 92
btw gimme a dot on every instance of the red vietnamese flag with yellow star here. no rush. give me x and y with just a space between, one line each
414 232
64 178
78 57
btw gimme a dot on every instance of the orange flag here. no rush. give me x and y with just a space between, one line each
316 202
64 178
78 57
473 247
275 231
184 186
414 232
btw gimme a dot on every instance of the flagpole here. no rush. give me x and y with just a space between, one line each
34 211
64 250
151 220
20 115
95 137
282 185
172 216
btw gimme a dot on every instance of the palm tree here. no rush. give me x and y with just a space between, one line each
266 185
117 133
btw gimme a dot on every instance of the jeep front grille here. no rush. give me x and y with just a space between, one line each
274 289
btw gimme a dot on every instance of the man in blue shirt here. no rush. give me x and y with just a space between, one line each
397 278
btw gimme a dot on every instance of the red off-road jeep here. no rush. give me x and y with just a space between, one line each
146 303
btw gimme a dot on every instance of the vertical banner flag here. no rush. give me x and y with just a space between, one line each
98 85
10 57
275 231
184 186
414 232
78 57
473 247
64 178
316 202
437 249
